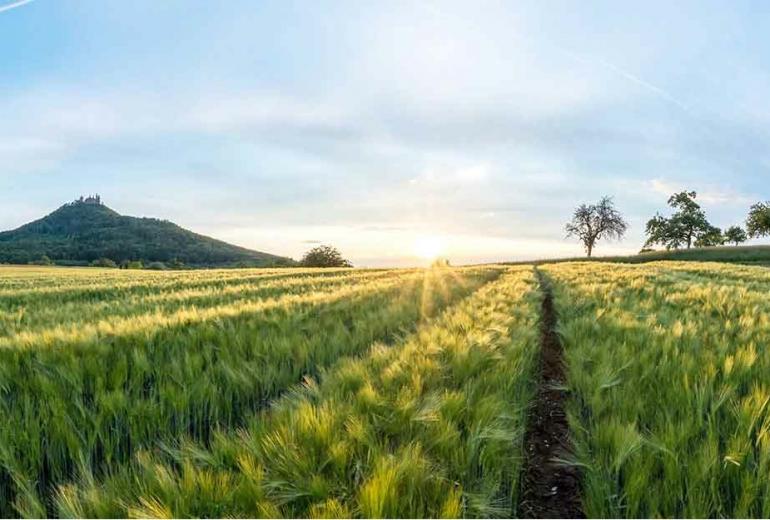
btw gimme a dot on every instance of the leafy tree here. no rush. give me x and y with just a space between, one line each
176 264
684 227
659 230
591 223
103 262
324 256
735 235
710 238
43 260
758 223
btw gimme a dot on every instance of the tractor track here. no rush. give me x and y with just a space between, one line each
550 488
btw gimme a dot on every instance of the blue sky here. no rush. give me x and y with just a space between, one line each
373 125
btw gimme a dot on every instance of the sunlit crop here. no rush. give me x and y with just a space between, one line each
98 365
380 393
668 366
429 426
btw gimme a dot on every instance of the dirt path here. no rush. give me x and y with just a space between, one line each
549 489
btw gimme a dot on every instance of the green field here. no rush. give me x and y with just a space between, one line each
379 393
743 255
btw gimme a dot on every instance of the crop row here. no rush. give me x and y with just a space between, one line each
186 400
61 285
668 367
429 427
72 307
86 402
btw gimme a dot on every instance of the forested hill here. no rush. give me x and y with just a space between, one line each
86 230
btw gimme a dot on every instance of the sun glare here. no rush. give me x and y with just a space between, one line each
428 247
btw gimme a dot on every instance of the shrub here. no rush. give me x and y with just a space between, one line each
104 262
43 260
324 256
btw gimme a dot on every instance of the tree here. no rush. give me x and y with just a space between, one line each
324 256
43 260
735 235
131 264
758 223
659 230
685 227
591 223
103 262
710 238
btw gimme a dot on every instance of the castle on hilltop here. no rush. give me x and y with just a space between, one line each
94 200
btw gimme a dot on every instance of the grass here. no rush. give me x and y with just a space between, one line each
667 367
746 255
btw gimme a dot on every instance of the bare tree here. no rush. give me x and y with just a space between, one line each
591 223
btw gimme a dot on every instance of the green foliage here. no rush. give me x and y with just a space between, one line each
43 260
758 223
749 255
324 256
591 223
684 228
104 262
735 235
82 232
131 264
711 237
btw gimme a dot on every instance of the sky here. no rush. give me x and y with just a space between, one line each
380 127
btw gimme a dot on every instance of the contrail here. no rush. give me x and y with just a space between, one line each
630 77
14 5
618 71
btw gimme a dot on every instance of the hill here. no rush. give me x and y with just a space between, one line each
85 230
747 255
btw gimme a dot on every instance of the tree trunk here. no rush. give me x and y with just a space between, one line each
590 248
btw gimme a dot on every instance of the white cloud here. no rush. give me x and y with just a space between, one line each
445 173
238 112
709 193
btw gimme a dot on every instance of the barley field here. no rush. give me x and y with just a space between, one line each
668 370
379 393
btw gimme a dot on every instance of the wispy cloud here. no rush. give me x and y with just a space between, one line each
453 174
14 5
710 195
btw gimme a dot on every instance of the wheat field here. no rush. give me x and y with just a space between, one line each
379 393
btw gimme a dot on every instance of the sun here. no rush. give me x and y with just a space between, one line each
428 247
